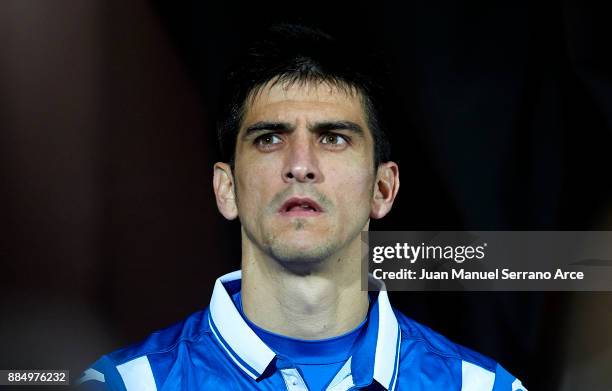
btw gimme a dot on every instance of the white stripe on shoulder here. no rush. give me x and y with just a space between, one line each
137 375
518 386
475 378
90 374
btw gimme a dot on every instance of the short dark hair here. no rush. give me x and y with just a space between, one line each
295 53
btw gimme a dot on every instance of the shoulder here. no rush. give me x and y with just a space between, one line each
449 364
418 335
148 362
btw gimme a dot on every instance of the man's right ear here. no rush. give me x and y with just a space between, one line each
225 192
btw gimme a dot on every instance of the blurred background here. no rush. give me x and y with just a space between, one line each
109 227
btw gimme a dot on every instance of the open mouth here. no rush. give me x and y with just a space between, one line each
301 206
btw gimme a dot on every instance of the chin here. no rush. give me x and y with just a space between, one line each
306 252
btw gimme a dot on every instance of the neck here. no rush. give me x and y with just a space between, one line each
324 299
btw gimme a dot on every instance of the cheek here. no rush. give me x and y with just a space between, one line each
248 196
254 189
354 190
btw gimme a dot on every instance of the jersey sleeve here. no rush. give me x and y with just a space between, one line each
100 376
504 381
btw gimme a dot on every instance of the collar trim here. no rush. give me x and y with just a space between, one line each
253 356
386 357
241 343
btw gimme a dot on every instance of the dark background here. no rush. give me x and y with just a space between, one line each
503 121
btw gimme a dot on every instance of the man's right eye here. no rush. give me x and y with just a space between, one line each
267 140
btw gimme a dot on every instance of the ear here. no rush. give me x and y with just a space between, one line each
223 184
385 189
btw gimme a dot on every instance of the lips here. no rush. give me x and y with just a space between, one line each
300 206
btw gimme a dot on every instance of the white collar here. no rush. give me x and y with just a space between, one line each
253 356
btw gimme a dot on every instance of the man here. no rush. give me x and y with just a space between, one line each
307 168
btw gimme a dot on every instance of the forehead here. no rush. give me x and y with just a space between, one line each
305 101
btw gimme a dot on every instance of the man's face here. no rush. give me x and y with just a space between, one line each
304 174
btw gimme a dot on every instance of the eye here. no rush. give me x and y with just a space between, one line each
333 139
267 140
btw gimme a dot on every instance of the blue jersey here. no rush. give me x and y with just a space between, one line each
318 361
216 349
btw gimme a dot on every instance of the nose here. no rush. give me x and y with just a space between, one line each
301 162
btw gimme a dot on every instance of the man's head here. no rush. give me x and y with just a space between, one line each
308 160
298 54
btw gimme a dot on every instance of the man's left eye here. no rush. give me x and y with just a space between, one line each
332 138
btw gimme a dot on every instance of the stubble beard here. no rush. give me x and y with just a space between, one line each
299 258
289 254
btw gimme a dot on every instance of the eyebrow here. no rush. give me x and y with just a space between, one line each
269 126
318 127
338 125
